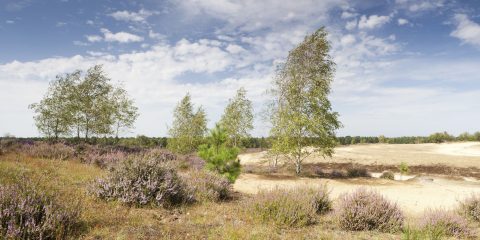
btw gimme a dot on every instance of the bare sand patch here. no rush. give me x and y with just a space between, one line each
463 154
413 196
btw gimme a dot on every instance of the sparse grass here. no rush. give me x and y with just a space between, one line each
437 223
290 207
470 207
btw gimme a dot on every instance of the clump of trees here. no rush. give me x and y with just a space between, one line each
237 119
84 104
301 109
188 128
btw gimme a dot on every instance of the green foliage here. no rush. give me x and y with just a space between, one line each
90 105
238 118
290 207
440 137
301 108
403 167
219 157
188 128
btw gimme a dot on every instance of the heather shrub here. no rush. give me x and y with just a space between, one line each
159 154
58 151
470 207
208 186
388 175
104 159
337 174
290 207
440 222
354 172
29 213
143 182
367 210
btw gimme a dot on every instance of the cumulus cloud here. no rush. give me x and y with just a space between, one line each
94 38
121 37
466 30
140 16
416 6
373 21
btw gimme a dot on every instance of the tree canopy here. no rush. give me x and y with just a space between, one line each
237 119
301 109
88 104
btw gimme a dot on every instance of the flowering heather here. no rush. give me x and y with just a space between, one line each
159 154
104 159
290 207
441 222
143 182
58 151
367 210
208 186
471 207
29 213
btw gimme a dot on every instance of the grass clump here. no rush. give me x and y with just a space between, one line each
439 222
388 175
27 212
470 207
143 182
291 207
367 210
208 186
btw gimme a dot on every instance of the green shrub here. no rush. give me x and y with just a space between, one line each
142 182
290 207
208 186
27 212
403 167
218 156
388 175
365 210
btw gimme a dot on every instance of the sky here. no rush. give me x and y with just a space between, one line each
403 67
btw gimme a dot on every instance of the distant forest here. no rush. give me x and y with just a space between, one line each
265 142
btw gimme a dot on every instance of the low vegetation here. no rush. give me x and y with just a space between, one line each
470 207
27 212
438 223
141 182
367 210
388 175
290 207
208 186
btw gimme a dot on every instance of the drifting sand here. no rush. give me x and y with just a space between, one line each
464 154
414 195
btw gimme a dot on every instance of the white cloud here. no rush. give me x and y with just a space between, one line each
402 21
10 22
347 40
121 37
94 38
467 30
416 6
351 25
61 24
157 36
140 16
373 21
347 15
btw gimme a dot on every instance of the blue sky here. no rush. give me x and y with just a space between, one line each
403 67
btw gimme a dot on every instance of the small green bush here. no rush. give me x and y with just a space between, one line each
290 207
365 210
388 175
208 186
470 207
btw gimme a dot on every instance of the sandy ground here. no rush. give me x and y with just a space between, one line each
414 195
465 154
